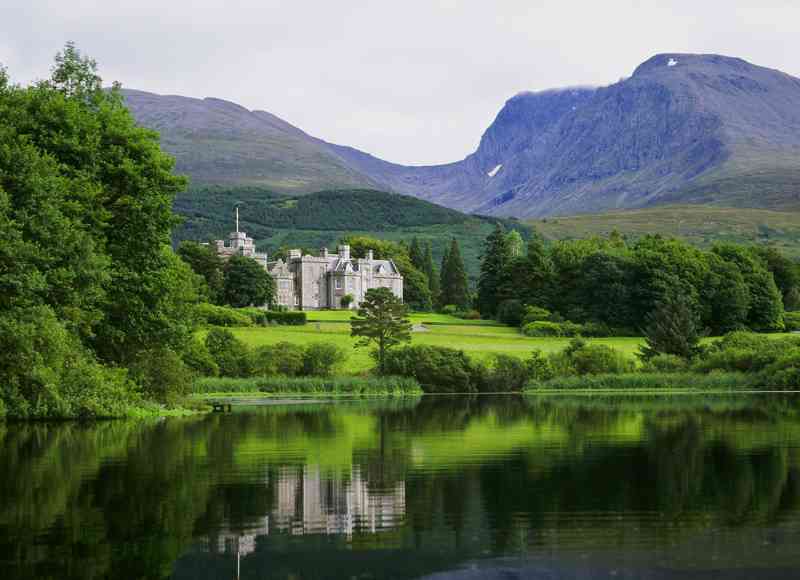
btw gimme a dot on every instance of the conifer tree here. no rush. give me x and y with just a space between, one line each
494 283
434 282
416 254
455 287
533 274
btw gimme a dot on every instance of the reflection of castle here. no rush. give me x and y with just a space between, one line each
310 504
225 541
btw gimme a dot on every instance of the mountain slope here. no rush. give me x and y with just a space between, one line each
215 141
683 128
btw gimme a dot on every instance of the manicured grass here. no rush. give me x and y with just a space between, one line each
344 316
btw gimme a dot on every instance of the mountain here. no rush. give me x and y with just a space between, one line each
683 128
216 141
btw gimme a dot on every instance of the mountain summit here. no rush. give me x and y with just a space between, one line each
682 128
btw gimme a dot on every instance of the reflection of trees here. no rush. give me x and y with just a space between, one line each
507 473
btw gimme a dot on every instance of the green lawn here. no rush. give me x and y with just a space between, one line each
480 339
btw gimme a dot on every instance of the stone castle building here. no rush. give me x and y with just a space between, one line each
316 282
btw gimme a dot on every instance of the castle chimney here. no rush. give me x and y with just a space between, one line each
295 254
344 252
323 252
369 255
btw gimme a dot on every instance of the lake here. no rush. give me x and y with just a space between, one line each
438 487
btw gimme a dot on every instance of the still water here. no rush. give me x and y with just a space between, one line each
440 488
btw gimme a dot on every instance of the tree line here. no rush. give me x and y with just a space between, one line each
618 284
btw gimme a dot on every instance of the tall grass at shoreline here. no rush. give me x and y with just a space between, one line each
647 381
347 385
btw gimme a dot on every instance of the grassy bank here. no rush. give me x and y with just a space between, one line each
647 382
385 386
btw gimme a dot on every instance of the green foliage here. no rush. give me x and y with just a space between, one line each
437 369
454 285
505 374
595 359
386 385
85 216
287 317
198 358
346 301
511 312
434 280
545 328
646 381
382 321
231 355
791 321
540 368
246 283
672 329
204 261
222 315
289 359
495 281
536 314
48 373
665 363
320 359
162 375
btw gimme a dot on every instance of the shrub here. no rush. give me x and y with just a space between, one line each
161 374
438 369
791 321
511 312
288 359
469 314
536 314
257 316
346 301
595 359
540 368
505 374
783 372
319 359
743 352
263 361
450 309
287 317
665 363
231 354
713 381
222 316
546 328
199 359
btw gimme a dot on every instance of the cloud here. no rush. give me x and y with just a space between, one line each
414 82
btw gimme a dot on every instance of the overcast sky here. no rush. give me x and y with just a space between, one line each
411 81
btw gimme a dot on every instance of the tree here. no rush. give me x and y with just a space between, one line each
725 297
455 287
533 275
346 301
382 321
86 201
494 282
434 282
672 329
205 262
247 283
516 245
416 255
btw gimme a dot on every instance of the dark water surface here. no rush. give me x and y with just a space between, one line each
444 487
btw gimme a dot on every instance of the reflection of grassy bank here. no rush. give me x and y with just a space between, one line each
298 386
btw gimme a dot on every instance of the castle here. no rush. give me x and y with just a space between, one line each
317 282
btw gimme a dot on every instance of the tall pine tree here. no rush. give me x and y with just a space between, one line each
417 255
533 275
433 275
455 287
494 283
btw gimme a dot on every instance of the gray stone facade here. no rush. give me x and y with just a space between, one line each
317 282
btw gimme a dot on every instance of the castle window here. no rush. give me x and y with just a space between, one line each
338 283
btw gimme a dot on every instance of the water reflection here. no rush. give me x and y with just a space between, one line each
456 487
